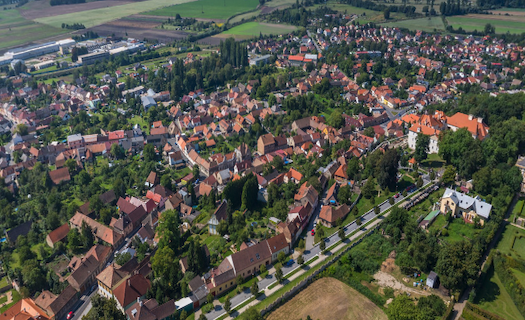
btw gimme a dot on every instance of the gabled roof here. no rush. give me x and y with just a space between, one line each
221 212
111 276
277 243
131 289
59 175
59 233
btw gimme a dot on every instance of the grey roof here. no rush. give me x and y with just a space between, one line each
467 202
147 101
432 275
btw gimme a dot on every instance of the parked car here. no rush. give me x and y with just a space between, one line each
397 195
313 232
289 263
70 315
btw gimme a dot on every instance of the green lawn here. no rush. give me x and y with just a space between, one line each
95 17
429 24
256 28
15 30
208 9
458 230
438 223
16 298
475 23
139 120
494 298
520 275
504 245
3 282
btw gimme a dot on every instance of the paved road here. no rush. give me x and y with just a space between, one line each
307 255
83 306
314 40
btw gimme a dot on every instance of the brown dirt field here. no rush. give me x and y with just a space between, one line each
134 30
327 299
265 9
516 18
130 23
41 9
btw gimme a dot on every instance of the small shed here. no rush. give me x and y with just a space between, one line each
432 280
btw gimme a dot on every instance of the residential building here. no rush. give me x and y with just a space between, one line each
220 214
464 206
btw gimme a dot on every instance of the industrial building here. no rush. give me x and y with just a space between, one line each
91 58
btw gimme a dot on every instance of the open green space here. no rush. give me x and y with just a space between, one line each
507 243
95 17
429 24
494 298
3 282
256 28
471 24
15 30
459 230
438 223
16 298
207 9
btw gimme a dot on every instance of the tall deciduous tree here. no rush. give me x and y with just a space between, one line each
388 167
421 151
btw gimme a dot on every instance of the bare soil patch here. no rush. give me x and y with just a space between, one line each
387 280
41 9
136 29
327 299
265 9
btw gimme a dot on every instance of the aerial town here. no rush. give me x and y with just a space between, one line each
252 159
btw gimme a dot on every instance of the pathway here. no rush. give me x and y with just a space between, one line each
460 305
242 297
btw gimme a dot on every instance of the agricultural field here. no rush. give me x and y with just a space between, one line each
251 29
511 240
429 24
15 30
494 298
95 17
326 299
42 8
207 9
502 23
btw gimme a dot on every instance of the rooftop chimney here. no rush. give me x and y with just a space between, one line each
480 119
470 117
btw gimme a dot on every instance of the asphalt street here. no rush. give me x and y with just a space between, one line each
307 255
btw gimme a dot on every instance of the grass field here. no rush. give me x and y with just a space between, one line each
458 230
15 30
494 298
424 24
504 245
251 29
97 17
208 9
326 299
477 22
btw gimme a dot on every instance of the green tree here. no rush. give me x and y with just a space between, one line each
336 119
419 182
251 314
279 274
322 245
239 280
71 165
386 13
388 167
227 305
87 237
209 298
103 308
149 152
353 168
457 265
122 258
300 260
421 151
341 234
255 288
21 129
402 308
117 151
369 190
449 176
165 181
369 132
249 193
462 151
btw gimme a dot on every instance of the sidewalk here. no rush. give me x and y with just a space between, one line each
322 258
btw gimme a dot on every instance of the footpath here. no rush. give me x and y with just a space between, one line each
322 258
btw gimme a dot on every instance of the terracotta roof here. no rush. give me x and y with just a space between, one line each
251 256
474 125
24 309
125 206
111 276
59 233
277 243
221 212
131 289
101 231
59 175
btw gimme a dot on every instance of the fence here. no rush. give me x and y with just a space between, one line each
290 293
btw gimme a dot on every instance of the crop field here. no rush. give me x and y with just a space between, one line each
326 299
502 23
15 30
424 24
100 16
251 29
42 8
207 9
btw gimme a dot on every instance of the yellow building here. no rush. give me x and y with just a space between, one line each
462 205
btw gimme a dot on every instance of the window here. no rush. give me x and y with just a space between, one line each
220 289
